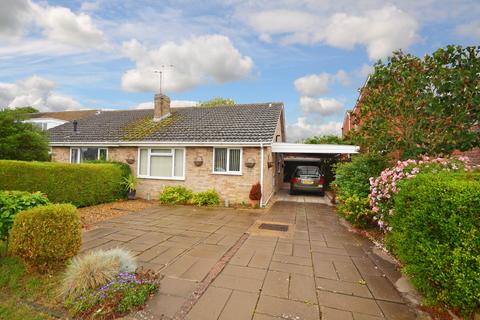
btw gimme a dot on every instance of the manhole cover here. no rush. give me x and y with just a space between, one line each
272 226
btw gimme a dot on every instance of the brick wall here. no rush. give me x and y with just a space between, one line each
232 187
60 154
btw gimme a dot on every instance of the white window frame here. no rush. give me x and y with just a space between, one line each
80 149
78 155
228 172
171 154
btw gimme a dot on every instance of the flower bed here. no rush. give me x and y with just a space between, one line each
126 292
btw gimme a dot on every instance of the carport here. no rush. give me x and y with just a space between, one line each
291 155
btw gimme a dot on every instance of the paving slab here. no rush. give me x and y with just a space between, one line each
287 309
320 271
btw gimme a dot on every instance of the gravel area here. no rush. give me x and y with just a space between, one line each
93 214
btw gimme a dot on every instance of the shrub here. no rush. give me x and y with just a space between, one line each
95 269
88 272
356 210
256 192
124 257
80 184
206 198
353 177
385 185
352 184
126 292
436 232
12 202
175 195
46 237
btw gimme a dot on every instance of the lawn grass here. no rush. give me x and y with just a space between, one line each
25 295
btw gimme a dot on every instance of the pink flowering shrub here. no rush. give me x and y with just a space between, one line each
386 184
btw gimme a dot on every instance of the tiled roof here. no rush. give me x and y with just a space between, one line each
239 123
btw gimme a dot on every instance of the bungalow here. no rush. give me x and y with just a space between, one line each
228 148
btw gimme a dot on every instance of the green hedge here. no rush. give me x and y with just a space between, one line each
79 184
436 235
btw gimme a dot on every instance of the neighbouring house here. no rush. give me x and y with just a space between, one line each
228 148
352 121
49 120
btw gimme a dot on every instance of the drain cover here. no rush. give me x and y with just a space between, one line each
272 226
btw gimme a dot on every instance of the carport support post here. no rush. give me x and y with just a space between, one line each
261 173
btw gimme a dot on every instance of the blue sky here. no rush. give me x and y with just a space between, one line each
313 55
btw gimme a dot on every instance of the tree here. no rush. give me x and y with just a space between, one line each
422 106
19 140
218 101
326 139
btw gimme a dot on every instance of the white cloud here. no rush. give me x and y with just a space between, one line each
324 106
36 92
24 21
14 15
313 85
365 70
199 60
342 77
173 104
469 30
62 25
303 129
381 31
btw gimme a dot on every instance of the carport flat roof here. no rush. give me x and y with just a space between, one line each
281 147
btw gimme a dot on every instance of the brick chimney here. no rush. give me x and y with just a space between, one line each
161 107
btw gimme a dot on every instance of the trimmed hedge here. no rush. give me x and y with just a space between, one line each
80 184
46 237
436 234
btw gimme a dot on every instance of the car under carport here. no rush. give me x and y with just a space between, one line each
291 155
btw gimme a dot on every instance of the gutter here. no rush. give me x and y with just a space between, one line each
261 174
154 143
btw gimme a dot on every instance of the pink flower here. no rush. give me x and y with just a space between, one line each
375 209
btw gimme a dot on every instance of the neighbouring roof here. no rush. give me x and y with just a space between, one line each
239 123
63 115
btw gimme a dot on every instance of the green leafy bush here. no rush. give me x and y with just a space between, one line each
45 237
12 202
436 234
206 198
175 195
80 184
356 210
352 184
353 177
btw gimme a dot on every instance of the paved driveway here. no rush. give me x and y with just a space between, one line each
217 264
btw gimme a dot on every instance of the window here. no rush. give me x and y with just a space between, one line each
227 160
161 163
82 154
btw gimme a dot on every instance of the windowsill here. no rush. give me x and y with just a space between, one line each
162 178
228 173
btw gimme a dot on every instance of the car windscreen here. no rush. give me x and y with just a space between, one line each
307 171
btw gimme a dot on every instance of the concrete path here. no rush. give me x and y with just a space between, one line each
218 264
283 195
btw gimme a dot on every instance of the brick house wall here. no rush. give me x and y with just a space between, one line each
235 188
